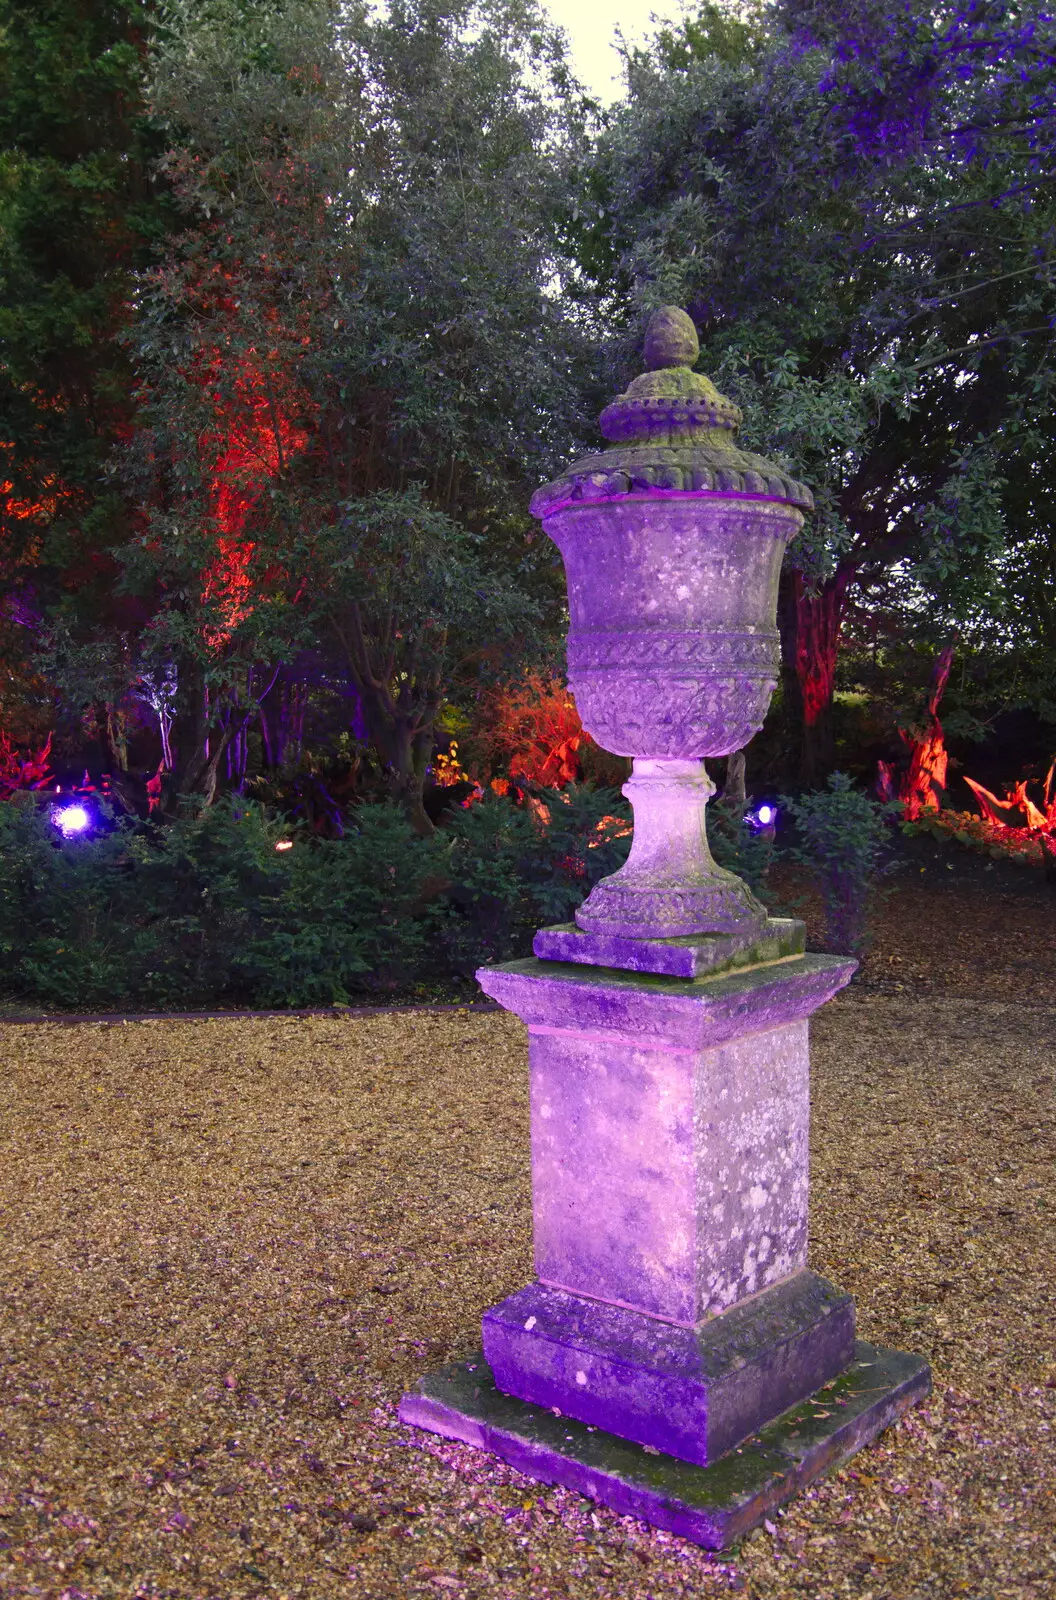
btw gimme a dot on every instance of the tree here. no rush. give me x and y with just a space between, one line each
857 216
352 368
411 603
79 213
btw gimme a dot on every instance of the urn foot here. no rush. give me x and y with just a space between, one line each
670 885
650 910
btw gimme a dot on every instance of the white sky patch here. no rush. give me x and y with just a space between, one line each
591 27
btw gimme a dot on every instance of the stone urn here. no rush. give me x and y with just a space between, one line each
674 1356
672 543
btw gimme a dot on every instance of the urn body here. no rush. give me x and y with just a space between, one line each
673 651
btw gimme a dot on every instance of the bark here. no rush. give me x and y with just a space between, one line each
116 737
201 746
926 778
201 774
399 707
810 621
734 794
265 738
404 745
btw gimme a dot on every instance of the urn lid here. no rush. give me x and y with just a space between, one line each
673 431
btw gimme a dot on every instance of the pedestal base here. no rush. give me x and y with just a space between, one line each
669 1129
712 1506
694 1393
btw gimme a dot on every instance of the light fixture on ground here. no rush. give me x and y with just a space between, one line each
71 820
763 819
666 1356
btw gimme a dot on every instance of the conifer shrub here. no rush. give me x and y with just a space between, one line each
842 837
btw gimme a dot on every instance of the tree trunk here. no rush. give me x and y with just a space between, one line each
734 794
116 737
201 774
924 783
810 622
404 755
201 746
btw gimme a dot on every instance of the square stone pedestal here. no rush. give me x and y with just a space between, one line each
673 1318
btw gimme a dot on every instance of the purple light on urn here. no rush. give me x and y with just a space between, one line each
674 1317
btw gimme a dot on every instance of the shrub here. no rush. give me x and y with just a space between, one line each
66 914
842 834
527 728
586 837
356 915
205 911
207 886
308 926
488 905
516 868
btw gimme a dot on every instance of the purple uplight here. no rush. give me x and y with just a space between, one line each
71 820
762 819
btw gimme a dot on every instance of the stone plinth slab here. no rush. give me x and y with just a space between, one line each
692 956
669 1129
712 1506
670 1013
693 1393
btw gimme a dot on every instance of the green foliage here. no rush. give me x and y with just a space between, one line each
1016 846
353 261
207 912
714 33
80 212
354 915
352 355
511 874
489 904
728 183
66 933
409 600
869 265
746 851
842 834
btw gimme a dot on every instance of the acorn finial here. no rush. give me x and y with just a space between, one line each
670 339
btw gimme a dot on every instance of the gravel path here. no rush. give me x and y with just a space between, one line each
229 1245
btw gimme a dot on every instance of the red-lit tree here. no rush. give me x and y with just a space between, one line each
923 783
351 366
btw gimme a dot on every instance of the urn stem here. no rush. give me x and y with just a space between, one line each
670 885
